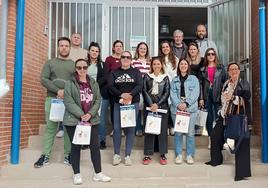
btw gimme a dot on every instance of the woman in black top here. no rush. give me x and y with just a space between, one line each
156 90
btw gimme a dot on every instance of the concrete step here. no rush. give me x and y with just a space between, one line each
138 176
202 155
36 141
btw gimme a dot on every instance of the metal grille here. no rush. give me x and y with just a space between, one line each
67 18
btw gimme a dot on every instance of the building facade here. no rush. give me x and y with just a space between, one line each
232 24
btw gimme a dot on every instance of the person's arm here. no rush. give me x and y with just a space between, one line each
166 93
45 79
102 74
97 100
194 93
145 90
138 88
69 102
174 94
111 85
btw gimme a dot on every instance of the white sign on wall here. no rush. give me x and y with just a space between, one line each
134 41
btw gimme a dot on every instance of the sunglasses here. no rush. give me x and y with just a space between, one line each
125 57
81 67
212 54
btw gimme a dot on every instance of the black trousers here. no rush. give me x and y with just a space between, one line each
94 149
162 139
242 156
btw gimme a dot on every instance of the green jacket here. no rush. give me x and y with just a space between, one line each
55 73
73 108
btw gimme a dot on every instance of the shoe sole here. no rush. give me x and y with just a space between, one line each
37 166
98 180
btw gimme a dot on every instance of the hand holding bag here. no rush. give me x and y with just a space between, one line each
182 122
236 127
57 110
82 134
127 116
153 124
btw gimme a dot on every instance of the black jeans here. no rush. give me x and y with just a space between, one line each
94 149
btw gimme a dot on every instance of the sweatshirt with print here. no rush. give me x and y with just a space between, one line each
125 81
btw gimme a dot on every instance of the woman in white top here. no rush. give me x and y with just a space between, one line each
170 66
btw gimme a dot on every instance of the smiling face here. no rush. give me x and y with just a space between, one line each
142 50
201 32
157 66
165 48
183 66
234 72
81 68
94 52
193 51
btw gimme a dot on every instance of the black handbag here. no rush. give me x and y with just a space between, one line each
236 127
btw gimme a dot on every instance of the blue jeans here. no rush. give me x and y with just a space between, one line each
129 131
190 138
212 108
103 119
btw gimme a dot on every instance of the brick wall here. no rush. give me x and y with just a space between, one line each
35 54
255 67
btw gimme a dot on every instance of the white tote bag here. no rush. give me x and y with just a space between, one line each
201 119
127 116
57 110
82 134
153 124
182 122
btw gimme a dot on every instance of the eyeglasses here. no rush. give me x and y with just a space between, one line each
125 57
81 67
212 54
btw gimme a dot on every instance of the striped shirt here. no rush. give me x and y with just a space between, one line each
142 65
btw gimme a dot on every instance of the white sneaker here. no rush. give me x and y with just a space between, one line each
116 159
178 159
77 179
128 161
101 177
60 134
171 132
189 159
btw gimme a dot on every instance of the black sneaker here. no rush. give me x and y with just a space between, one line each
84 147
42 161
102 145
67 160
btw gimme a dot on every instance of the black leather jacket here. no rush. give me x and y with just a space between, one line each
219 79
161 99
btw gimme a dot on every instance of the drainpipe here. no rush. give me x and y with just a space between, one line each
4 87
18 70
262 33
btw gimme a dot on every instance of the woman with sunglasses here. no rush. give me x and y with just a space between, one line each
125 84
97 71
170 66
156 92
141 62
234 91
82 101
213 76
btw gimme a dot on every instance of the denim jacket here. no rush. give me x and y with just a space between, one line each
192 90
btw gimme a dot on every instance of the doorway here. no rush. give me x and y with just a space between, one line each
183 18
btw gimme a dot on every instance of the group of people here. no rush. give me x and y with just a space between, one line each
181 78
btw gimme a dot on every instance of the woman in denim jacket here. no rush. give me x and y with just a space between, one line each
184 95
